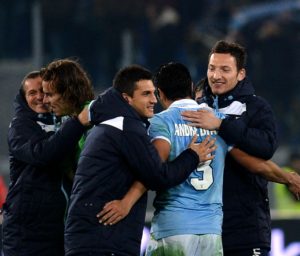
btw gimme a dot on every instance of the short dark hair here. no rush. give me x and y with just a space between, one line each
126 78
199 86
30 75
234 49
69 79
174 79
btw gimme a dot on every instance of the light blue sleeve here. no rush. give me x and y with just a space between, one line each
159 128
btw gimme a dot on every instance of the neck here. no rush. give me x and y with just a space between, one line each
169 102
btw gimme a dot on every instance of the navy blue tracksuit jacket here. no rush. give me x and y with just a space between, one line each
250 126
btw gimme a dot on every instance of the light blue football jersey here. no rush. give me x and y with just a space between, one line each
194 206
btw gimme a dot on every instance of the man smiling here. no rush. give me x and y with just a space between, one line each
250 125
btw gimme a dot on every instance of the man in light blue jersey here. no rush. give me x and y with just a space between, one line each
188 217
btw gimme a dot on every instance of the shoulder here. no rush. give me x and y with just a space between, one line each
23 123
255 102
258 103
125 125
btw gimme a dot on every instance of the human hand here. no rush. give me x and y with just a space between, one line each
202 118
294 184
83 116
203 149
113 212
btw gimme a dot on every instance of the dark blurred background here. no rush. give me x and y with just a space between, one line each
107 35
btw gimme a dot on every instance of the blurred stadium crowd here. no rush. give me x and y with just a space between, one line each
106 35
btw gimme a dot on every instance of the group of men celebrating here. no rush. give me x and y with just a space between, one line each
78 184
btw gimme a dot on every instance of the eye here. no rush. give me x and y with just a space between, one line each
226 70
31 93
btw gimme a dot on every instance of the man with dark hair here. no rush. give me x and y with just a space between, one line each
250 125
188 217
117 152
40 159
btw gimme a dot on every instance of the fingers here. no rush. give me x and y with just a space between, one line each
202 110
194 114
193 123
111 213
207 140
104 215
114 220
192 117
208 144
211 144
208 147
204 149
294 185
189 114
194 139
207 157
109 218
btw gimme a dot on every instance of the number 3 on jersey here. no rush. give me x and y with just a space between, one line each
207 177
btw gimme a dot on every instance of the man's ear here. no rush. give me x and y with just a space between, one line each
161 94
125 96
241 74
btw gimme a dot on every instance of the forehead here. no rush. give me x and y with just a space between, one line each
33 84
144 85
48 87
222 59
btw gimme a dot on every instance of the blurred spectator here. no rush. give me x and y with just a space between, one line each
165 38
3 191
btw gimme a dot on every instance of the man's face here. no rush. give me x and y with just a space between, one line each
222 73
143 99
34 95
54 100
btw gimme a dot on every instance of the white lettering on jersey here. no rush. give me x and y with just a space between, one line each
186 130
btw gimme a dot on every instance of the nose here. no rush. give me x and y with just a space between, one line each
154 99
216 74
45 99
40 96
